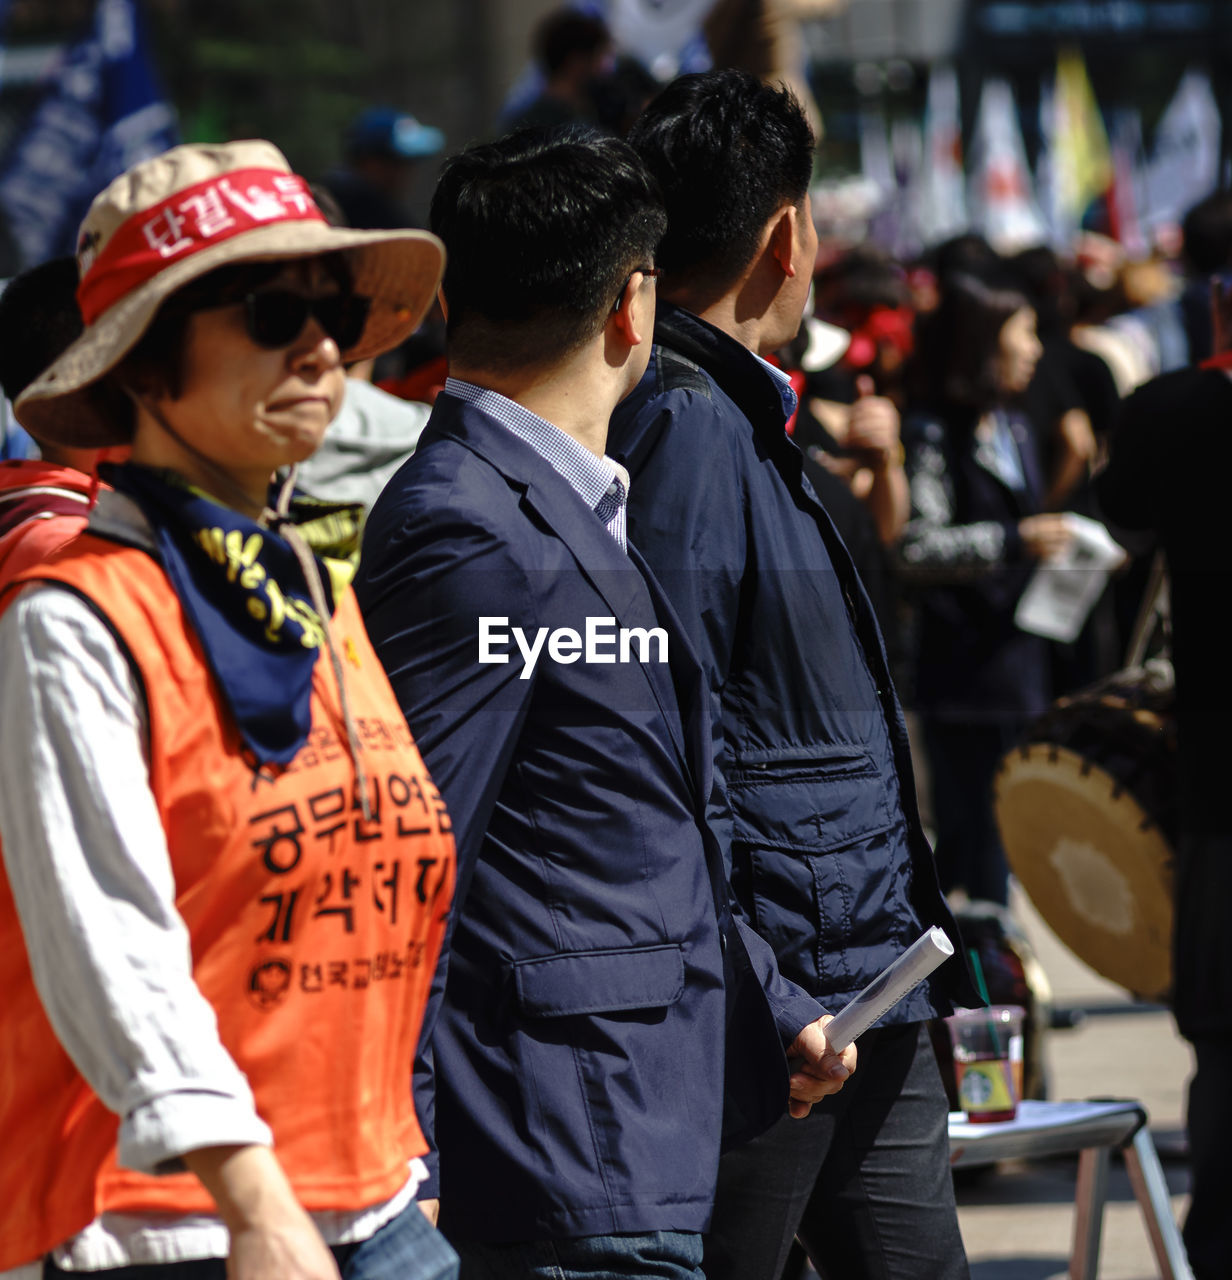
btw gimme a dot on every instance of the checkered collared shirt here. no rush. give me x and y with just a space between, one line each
601 483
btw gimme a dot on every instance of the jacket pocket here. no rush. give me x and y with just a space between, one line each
584 982
812 799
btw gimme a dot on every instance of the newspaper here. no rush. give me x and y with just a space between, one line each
1063 590
888 988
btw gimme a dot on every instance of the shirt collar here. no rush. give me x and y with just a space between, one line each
589 476
787 393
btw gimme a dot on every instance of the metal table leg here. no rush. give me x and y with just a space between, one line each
1089 1200
1151 1191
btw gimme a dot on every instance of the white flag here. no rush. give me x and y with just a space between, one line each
1001 194
907 153
1061 229
940 201
876 162
1185 158
661 35
1128 198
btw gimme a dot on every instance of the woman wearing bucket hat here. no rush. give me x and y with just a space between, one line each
226 859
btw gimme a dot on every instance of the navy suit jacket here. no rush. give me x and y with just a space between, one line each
599 993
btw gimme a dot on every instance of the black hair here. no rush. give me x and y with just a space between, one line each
1039 274
39 319
968 254
1206 234
864 277
621 96
542 229
565 32
729 152
958 345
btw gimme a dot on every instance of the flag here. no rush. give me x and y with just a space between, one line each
939 199
877 170
4 17
1060 233
667 38
102 114
876 162
907 154
1184 164
1127 195
1080 163
1000 194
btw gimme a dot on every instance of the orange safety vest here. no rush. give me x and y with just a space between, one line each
314 932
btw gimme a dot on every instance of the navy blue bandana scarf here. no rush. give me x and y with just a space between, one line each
246 597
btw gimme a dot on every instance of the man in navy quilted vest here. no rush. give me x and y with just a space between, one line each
815 808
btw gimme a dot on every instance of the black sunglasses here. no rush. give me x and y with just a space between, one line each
651 273
276 317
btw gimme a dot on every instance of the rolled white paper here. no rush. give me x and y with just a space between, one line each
888 988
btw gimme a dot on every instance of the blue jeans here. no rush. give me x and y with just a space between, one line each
405 1248
656 1255
408 1248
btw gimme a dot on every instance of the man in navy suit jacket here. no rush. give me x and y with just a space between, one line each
604 1018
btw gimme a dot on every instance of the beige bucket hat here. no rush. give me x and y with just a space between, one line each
179 215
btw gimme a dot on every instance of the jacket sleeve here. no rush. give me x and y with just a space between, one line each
934 548
423 589
791 1006
681 521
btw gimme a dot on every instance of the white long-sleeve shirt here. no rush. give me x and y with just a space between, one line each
91 876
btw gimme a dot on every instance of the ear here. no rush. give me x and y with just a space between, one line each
783 239
633 315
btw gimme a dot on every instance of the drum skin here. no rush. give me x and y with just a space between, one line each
1087 810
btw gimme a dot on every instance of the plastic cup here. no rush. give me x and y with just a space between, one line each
988 1061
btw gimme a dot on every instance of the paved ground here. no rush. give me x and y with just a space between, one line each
1017 1221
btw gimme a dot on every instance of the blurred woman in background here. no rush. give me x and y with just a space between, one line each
975 533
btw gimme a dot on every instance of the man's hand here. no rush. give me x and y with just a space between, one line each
873 428
817 1071
431 1209
272 1238
1045 536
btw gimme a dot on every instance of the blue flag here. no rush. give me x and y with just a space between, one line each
102 114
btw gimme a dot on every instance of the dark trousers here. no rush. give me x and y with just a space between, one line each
1208 1227
962 762
864 1179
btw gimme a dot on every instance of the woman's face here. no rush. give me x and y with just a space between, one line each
1018 352
249 409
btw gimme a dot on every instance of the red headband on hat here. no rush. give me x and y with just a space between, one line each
187 222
